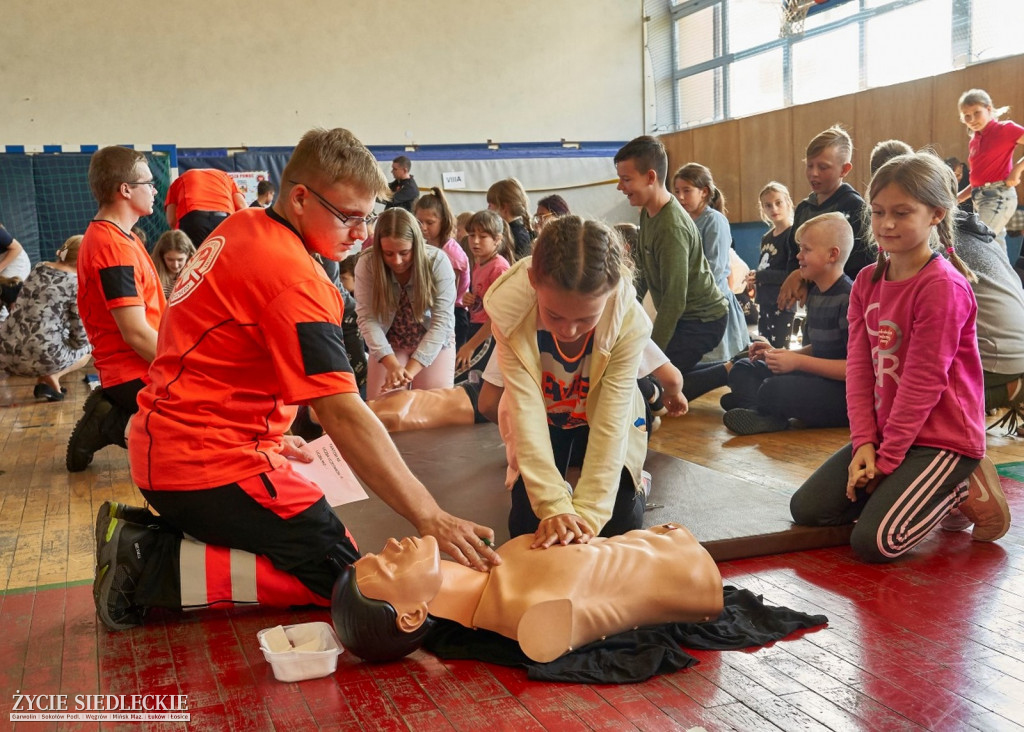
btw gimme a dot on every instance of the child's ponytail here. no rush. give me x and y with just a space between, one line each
947 239
700 176
880 260
435 201
507 247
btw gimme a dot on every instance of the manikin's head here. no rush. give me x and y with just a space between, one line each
379 604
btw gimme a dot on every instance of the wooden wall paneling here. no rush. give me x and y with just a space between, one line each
679 146
901 112
766 154
949 136
808 121
718 147
744 154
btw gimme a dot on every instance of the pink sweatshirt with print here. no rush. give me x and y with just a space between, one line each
913 373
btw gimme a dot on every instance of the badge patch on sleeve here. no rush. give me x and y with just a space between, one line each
323 348
118 282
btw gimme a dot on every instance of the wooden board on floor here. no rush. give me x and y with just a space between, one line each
464 468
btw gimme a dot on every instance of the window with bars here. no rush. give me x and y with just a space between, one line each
732 58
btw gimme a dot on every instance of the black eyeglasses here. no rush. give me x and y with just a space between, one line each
345 219
141 183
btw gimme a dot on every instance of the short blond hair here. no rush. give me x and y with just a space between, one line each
326 157
835 136
834 226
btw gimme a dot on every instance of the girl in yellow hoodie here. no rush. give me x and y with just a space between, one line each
569 334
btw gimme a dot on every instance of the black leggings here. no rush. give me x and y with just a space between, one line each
569 447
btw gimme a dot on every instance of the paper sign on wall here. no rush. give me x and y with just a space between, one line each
247 181
454 179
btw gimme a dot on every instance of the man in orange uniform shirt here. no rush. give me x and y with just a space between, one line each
120 299
253 326
199 200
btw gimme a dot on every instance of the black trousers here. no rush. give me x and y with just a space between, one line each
692 339
197 225
312 544
569 447
814 400
123 398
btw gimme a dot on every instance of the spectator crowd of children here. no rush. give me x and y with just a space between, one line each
911 327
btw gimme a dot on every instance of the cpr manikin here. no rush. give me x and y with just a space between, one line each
549 600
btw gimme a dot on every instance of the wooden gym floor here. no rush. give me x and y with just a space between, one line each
935 641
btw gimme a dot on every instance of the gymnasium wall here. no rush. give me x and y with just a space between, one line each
196 73
745 154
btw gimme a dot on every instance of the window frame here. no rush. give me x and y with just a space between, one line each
961 52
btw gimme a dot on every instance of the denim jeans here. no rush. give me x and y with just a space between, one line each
995 206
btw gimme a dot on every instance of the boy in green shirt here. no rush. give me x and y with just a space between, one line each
692 311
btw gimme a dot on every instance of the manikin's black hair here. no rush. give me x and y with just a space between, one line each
369 628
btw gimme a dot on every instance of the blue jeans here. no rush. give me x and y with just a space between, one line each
995 206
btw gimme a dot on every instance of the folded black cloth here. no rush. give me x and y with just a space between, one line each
635 655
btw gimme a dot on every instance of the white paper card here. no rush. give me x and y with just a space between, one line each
330 471
454 179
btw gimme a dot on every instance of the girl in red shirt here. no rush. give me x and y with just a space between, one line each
994 176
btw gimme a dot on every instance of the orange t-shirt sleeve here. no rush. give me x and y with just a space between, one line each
120 274
302 331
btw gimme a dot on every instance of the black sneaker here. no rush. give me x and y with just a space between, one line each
752 422
87 437
131 514
119 565
47 392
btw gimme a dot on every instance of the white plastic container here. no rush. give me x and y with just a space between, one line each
301 665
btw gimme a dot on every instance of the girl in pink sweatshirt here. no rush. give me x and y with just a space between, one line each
914 384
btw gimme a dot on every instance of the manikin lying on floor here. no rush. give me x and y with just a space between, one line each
550 600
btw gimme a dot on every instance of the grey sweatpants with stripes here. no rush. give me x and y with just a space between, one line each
903 508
